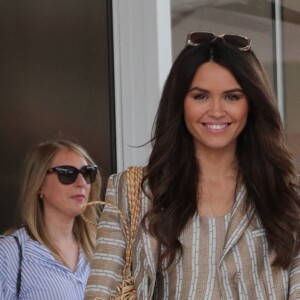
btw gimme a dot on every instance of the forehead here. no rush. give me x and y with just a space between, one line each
211 74
66 156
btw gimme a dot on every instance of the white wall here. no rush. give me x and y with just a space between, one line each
142 59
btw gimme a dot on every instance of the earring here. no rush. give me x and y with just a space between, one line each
41 196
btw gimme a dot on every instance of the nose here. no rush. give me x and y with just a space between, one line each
80 181
216 108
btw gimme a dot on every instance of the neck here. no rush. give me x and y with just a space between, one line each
217 166
64 240
59 230
217 183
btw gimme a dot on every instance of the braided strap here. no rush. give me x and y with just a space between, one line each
134 176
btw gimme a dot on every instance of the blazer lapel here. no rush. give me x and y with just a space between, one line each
240 219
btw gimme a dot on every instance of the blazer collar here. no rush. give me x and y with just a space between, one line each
240 218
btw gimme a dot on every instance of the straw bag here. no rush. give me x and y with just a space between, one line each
126 289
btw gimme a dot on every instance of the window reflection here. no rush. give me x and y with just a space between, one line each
254 19
291 56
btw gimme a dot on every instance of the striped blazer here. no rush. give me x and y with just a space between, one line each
244 270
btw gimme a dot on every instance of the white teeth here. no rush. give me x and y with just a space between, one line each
216 126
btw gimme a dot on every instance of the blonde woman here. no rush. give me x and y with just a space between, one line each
48 254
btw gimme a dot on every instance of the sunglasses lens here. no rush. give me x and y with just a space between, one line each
197 38
237 41
67 175
201 37
89 173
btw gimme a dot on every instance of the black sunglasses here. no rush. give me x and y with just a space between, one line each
68 174
196 38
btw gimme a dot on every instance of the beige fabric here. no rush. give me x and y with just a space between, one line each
203 240
244 270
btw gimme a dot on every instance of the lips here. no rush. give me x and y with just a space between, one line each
78 197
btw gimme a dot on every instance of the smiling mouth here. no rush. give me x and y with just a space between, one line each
216 126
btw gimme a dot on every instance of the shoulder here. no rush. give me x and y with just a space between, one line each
117 189
7 244
118 185
19 233
10 242
10 250
120 177
10 257
115 180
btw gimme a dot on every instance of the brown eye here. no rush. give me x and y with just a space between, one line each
200 96
233 97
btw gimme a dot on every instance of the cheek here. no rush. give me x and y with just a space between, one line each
88 189
54 193
240 112
52 188
243 119
245 114
190 112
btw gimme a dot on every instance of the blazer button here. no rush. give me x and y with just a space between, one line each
236 278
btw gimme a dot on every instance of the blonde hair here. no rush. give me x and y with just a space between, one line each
31 206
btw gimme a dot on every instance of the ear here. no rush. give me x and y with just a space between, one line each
40 194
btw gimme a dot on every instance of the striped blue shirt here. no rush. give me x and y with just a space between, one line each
43 278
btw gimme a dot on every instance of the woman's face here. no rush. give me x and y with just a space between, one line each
64 201
215 108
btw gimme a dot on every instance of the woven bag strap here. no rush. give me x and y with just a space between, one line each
134 178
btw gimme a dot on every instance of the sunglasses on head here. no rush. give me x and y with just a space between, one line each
197 38
68 174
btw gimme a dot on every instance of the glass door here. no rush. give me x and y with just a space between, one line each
56 81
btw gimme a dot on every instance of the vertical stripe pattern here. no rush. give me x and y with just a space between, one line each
43 278
223 258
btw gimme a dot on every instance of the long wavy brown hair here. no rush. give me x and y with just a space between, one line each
265 165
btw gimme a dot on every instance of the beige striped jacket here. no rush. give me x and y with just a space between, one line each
244 271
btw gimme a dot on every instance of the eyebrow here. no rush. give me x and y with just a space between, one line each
199 89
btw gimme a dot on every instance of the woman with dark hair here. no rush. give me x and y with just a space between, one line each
220 208
47 255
